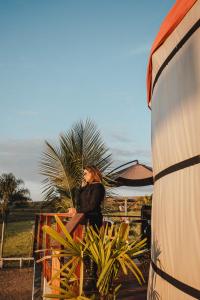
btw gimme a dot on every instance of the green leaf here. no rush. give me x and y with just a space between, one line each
122 264
124 231
64 230
134 266
55 235
72 262
105 270
81 276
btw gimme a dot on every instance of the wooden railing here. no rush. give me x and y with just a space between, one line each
43 241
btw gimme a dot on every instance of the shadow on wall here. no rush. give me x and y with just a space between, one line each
152 293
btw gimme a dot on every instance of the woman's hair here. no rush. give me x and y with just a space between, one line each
96 174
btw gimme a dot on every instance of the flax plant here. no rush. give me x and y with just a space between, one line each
112 251
109 247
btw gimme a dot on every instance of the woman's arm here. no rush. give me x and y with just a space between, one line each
72 211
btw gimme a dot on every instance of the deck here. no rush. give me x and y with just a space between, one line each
16 284
132 291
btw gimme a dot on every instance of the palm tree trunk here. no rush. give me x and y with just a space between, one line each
2 238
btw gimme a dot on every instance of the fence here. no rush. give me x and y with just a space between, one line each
20 259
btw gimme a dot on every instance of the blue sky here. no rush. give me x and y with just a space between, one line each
64 60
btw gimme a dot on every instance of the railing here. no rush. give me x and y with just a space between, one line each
19 259
143 222
42 241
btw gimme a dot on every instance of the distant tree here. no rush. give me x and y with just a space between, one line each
63 165
12 191
143 200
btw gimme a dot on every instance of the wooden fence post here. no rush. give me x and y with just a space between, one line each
37 276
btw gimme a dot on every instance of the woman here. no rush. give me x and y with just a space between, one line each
90 197
88 201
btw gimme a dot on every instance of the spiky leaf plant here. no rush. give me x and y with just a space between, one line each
109 247
113 252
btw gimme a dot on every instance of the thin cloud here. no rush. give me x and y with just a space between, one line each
21 157
36 190
119 137
134 154
133 191
141 49
27 113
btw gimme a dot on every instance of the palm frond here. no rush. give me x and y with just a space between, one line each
63 165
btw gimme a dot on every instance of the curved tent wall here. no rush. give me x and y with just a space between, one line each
175 104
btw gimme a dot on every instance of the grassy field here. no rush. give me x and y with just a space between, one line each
19 230
18 239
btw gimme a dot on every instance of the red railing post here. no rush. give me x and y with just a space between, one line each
43 241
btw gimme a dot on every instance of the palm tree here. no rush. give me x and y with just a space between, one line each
63 165
12 191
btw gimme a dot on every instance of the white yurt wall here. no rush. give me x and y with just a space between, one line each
175 104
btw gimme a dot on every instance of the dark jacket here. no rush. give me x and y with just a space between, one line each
88 201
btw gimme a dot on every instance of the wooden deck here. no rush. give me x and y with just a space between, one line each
16 284
132 291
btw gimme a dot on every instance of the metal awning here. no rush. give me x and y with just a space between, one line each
133 173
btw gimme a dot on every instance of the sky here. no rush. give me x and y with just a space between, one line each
67 60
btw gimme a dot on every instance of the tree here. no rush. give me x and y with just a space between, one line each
12 191
143 200
63 165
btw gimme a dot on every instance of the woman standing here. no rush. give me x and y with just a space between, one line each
88 201
90 196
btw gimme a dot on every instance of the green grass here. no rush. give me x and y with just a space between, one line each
18 239
19 230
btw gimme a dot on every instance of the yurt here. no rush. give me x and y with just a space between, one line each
173 89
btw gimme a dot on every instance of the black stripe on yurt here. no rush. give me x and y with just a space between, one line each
176 283
179 166
175 50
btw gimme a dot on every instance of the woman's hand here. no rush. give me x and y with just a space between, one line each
84 183
72 212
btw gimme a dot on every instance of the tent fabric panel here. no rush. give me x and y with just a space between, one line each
158 286
176 226
176 107
161 54
172 20
175 138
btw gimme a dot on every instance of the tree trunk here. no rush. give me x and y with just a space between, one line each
2 238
